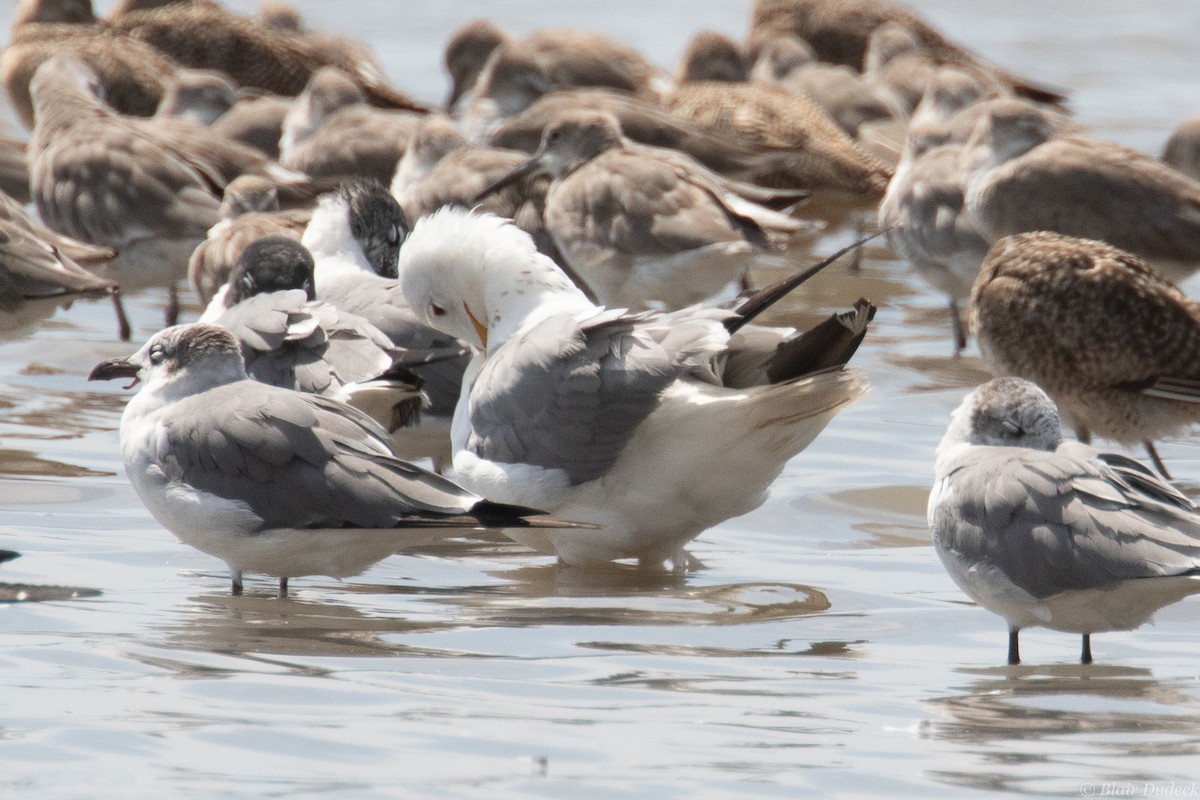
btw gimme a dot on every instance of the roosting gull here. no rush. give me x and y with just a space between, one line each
272 480
655 425
1053 533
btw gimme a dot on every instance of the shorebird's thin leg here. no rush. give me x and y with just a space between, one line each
860 230
172 312
1156 460
124 329
1085 656
236 588
1014 651
283 587
960 330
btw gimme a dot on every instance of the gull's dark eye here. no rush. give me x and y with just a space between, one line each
437 310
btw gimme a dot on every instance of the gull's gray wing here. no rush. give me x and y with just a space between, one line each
309 346
298 460
1057 521
565 395
381 302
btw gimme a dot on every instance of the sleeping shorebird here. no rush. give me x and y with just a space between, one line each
640 225
1113 342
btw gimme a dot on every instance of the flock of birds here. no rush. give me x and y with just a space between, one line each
546 288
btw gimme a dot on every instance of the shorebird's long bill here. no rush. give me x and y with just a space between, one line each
527 168
114 368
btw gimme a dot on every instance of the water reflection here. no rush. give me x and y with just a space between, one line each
379 620
1006 716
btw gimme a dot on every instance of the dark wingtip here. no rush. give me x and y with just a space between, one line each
502 515
757 302
8 555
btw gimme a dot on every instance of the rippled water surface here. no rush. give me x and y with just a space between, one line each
821 649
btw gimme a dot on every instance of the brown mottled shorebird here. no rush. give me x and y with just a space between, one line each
14 168
564 58
341 50
927 225
149 188
641 225
256 120
204 35
249 211
1182 150
713 56
331 132
133 74
897 64
1113 342
458 178
839 31
435 137
1023 177
200 96
807 149
37 262
792 64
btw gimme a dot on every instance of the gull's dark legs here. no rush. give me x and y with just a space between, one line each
1085 656
283 592
1014 651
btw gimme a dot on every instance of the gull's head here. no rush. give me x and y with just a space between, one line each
270 264
179 361
466 53
1006 412
1009 128
360 225
478 277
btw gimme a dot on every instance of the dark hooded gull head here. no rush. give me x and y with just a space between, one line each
179 361
1006 412
271 264
479 277
358 226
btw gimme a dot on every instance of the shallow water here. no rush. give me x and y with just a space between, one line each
821 648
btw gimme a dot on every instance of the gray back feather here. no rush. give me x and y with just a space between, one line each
298 460
1054 520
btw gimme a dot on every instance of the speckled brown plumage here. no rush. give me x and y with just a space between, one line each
205 36
1097 328
133 74
839 29
799 144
